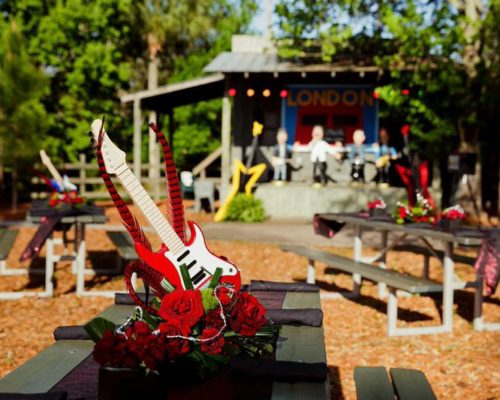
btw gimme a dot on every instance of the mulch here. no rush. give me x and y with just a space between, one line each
462 365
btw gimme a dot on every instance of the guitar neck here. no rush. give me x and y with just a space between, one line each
150 210
54 172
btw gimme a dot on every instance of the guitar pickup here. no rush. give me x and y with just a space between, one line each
183 256
199 276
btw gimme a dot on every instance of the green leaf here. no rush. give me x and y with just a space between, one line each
185 277
97 327
215 278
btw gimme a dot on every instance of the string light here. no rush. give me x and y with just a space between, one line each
231 92
250 92
284 93
266 93
405 92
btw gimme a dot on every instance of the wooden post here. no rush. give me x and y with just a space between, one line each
83 173
226 142
137 138
153 148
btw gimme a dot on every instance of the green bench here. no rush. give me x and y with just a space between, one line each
124 246
373 383
7 239
393 279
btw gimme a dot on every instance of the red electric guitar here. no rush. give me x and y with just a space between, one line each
200 262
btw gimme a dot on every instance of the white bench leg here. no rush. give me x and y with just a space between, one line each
311 272
382 287
358 256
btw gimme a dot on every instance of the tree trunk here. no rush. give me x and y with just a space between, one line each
15 201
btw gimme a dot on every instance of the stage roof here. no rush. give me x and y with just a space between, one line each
179 94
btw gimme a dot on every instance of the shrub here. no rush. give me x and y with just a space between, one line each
246 208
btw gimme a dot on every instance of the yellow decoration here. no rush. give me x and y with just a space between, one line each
239 169
257 128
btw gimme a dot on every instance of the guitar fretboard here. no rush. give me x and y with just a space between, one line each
150 210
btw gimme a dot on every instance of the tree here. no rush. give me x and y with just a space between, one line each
23 119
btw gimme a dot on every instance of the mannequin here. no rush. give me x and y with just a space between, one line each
282 155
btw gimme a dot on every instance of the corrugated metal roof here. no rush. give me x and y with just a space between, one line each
235 62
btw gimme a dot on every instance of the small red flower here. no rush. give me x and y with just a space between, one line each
224 295
248 315
213 346
213 319
174 347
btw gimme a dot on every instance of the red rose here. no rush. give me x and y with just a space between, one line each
213 346
213 319
174 347
152 350
182 309
248 315
116 351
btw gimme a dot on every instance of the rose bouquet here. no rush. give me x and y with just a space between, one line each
453 213
421 212
377 207
201 328
378 203
71 198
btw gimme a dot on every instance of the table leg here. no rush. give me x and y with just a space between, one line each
358 255
382 287
80 261
49 266
448 289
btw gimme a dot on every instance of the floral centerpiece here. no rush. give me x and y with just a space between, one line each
377 207
71 198
453 213
421 212
201 329
452 217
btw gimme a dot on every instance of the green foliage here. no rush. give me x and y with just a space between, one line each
97 327
23 119
245 208
94 50
208 299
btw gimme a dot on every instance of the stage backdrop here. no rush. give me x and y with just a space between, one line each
340 109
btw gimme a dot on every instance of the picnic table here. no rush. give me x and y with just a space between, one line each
69 218
362 267
67 365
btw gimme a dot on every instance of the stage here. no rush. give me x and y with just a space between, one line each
301 200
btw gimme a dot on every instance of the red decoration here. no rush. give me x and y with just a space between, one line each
405 92
376 95
405 129
283 93
182 309
232 92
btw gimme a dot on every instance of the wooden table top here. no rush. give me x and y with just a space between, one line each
463 236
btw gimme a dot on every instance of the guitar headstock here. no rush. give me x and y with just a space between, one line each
45 158
112 155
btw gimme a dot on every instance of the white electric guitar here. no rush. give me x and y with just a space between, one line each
63 183
200 263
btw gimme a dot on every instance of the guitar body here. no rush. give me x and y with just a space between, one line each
200 262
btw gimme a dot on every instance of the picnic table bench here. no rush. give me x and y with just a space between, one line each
363 267
7 239
124 246
372 383
360 270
